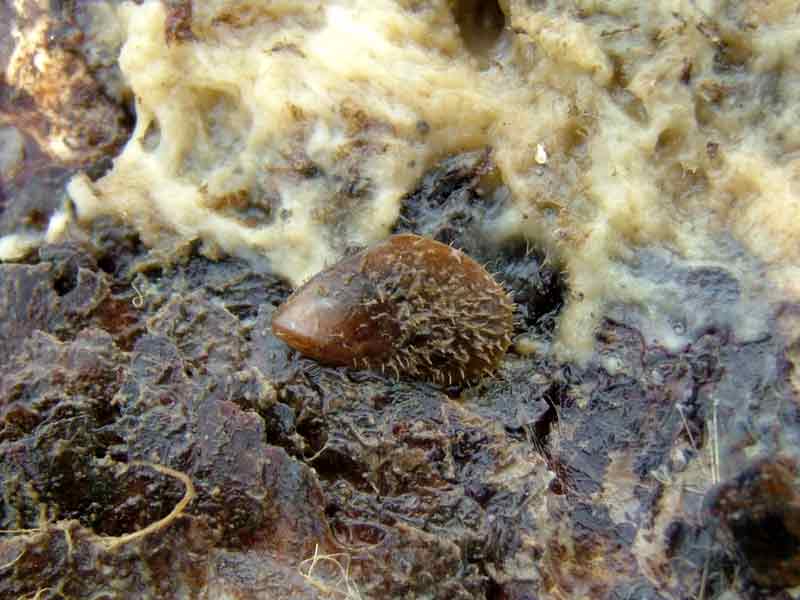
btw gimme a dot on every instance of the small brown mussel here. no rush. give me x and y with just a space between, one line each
408 306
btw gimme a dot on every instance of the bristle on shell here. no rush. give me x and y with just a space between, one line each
407 306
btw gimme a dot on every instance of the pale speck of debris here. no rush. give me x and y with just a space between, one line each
16 246
541 154
526 345
57 227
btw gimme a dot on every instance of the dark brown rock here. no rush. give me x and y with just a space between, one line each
53 95
757 513
546 479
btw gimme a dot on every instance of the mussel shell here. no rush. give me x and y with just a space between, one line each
409 304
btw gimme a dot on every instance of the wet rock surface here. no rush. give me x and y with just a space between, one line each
61 83
545 480
758 513
62 105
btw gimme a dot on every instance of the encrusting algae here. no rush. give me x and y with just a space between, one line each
409 306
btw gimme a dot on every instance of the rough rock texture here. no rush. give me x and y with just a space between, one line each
759 515
59 82
90 383
545 481
640 194
63 105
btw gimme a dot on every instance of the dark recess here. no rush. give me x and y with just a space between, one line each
481 23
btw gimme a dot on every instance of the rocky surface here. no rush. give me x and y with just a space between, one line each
124 372
61 84
758 512
63 105
158 441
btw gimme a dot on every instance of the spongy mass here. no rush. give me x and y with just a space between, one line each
408 306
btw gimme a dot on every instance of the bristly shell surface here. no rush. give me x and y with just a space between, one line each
409 306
